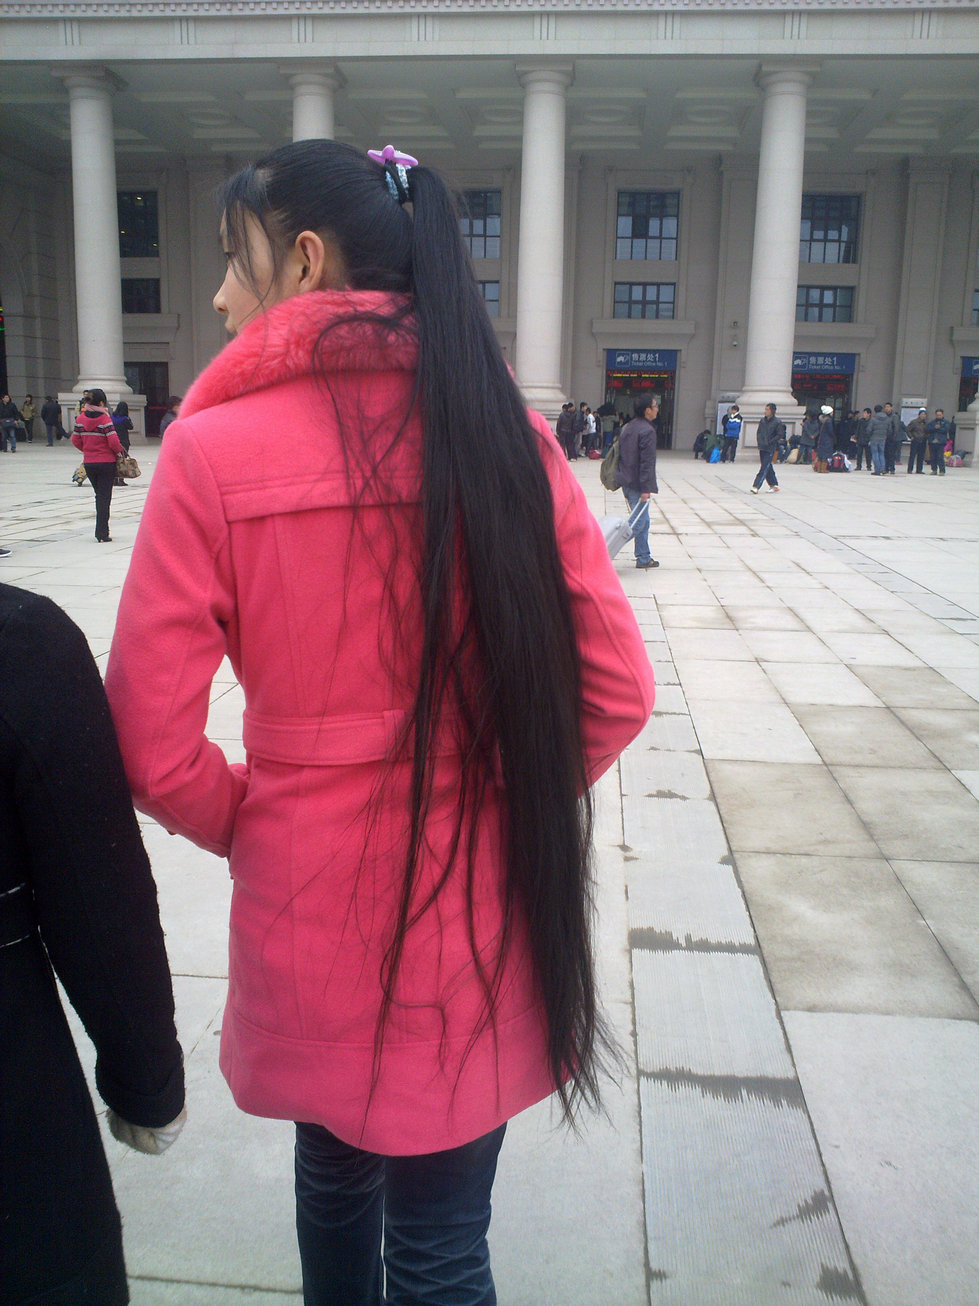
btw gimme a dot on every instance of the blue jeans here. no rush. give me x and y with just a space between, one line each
9 436
877 454
766 472
433 1211
641 533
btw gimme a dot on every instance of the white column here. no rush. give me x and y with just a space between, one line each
314 87
775 259
98 291
540 260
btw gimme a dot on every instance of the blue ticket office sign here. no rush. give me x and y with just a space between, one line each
819 377
632 372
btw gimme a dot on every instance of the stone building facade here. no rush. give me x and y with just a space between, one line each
717 199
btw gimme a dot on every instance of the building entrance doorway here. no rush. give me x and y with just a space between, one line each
968 383
153 381
819 379
632 372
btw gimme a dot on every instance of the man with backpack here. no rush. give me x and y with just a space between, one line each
771 433
636 471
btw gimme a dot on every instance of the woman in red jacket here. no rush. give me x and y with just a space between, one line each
96 437
437 661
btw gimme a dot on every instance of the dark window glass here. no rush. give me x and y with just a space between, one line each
139 227
490 291
824 304
140 295
830 229
975 308
480 222
647 224
643 299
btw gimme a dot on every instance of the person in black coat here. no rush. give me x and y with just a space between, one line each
636 472
77 900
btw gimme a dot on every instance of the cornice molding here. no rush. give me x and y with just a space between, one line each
95 9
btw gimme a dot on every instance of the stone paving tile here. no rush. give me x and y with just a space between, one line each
706 618
841 934
748 1221
770 807
788 646
947 896
705 678
747 618
865 736
952 735
900 1144
718 645
922 687
877 650
920 814
825 684
749 731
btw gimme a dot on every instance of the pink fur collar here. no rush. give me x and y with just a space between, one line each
278 345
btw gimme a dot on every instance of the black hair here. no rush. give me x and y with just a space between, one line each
642 402
121 409
771 406
508 667
878 408
97 397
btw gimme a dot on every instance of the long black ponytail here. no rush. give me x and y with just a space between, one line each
489 533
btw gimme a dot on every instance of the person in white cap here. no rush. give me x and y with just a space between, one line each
825 440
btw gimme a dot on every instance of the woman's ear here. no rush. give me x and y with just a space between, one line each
315 264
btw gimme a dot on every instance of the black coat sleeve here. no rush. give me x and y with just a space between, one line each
647 460
94 895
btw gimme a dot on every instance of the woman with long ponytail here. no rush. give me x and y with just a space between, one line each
356 507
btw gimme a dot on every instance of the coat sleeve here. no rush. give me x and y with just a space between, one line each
169 641
617 687
93 893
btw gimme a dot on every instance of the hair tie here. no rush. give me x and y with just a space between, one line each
395 165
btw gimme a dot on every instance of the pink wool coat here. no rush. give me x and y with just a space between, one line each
251 546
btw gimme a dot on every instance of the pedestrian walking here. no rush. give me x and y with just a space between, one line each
172 413
11 422
77 900
731 428
95 435
938 434
437 661
918 433
895 437
564 429
51 417
28 412
637 470
862 436
877 431
770 436
825 439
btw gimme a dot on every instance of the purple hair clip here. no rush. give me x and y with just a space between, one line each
395 165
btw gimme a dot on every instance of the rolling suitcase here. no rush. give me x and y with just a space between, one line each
620 530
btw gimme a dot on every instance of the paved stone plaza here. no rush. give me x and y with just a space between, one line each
788 863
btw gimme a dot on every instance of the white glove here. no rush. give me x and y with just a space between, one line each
143 1139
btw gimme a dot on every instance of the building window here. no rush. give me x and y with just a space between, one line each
490 290
830 227
975 308
824 304
140 295
647 224
480 222
644 299
139 227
